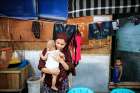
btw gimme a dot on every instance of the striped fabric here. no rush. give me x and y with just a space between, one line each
79 8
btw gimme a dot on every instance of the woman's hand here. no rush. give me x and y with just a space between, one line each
62 61
60 58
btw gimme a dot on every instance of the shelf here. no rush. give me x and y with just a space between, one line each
124 85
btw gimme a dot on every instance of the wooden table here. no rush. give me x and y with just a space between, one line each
13 79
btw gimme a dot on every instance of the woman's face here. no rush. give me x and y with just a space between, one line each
60 44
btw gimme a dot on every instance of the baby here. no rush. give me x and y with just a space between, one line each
51 58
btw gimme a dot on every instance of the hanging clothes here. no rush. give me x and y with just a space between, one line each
36 29
107 28
57 28
70 29
92 31
76 54
100 30
75 47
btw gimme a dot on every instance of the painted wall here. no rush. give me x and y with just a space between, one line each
128 37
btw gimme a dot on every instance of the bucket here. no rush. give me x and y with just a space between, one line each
33 85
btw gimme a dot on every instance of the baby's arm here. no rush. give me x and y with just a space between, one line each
43 57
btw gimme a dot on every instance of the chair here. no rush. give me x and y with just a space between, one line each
80 90
122 90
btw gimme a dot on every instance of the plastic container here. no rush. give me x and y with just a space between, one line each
5 57
80 90
33 84
15 59
122 90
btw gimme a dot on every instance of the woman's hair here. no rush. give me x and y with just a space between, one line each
61 35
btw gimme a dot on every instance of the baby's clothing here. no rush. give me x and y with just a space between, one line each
51 59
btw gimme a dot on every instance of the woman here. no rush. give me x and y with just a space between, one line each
65 67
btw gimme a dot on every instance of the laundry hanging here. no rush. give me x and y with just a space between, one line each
79 8
69 29
75 47
36 29
56 29
100 30
93 32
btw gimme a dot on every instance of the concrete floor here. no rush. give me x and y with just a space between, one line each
93 72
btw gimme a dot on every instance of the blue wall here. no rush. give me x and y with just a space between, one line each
129 37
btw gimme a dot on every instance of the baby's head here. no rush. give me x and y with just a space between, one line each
50 45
